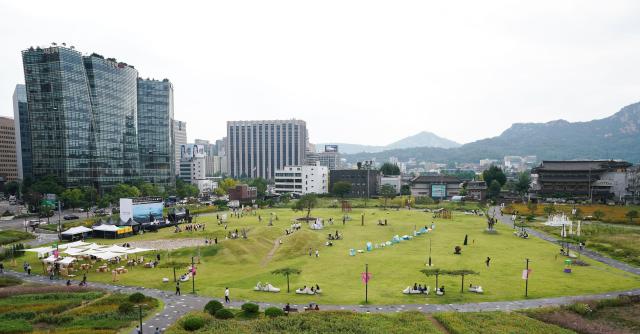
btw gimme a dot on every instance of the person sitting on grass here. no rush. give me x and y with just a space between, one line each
317 308
287 308
317 287
415 286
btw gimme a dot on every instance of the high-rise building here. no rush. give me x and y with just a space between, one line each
179 139
330 157
8 160
23 133
192 163
82 114
209 148
155 142
259 148
221 145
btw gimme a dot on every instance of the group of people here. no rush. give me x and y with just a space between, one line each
335 236
312 288
382 223
210 241
27 268
420 287
311 252
235 234
294 227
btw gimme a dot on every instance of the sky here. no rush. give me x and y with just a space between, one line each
364 72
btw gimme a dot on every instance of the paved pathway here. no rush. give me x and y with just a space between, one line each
506 219
177 306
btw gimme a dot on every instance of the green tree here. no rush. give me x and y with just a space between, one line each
185 190
306 202
341 188
148 189
523 183
405 190
494 173
387 191
287 272
47 185
227 184
390 169
123 191
549 209
494 189
261 185
72 198
632 214
598 215
12 188
533 207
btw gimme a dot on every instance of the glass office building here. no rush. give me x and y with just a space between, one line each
23 134
82 113
155 139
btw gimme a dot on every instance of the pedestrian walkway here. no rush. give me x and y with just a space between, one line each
506 219
177 306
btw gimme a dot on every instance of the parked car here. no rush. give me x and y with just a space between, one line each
70 217
100 212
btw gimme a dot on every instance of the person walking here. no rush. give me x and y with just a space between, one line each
226 295
317 253
178 288
310 252
1 268
157 331
487 261
138 329
29 269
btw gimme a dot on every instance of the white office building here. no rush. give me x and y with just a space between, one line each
179 139
302 180
192 163
395 181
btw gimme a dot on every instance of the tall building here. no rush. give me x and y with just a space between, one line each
155 142
221 145
192 163
82 114
209 148
179 139
302 180
8 159
259 148
364 182
23 133
330 157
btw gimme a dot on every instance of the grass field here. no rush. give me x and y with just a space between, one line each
495 322
10 236
240 264
612 213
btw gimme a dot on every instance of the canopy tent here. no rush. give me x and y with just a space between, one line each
106 228
135 226
116 249
107 255
50 259
74 251
41 251
78 232
111 231
137 250
73 244
95 246
66 261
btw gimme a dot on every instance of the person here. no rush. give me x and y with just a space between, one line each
84 278
487 261
420 287
29 269
158 257
68 282
317 308
312 289
317 287
310 252
415 286
157 331
287 308
178 288
226 295
1 268
138 329
317 253
442 289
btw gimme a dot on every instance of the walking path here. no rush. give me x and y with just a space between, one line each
506 219
177 306
276 245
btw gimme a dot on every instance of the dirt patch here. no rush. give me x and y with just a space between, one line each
437 324
169 244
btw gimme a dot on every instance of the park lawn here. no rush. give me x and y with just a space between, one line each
495 322
240 264
612 213
11 236
316 322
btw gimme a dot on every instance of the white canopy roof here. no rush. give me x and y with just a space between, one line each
107 255
66 260
41 250
116 249
95 246
72 244
106 228
75 251
50 259
137 250
76 230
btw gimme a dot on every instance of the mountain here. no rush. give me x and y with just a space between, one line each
614 137
422 139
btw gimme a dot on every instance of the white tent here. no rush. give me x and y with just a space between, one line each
107 255
73 244
106 228
75 251
50 259
115 248
42 251
137 250
95 246
76 230
66 261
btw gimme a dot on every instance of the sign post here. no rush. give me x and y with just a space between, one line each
366 276
525 276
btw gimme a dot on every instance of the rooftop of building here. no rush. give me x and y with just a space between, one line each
436 179
580 165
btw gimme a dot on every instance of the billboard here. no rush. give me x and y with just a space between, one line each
438 190
141 209
189 151
331 148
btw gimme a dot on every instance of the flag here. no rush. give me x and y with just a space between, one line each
526 273
366 277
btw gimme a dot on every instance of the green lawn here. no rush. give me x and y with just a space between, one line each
240 264
11 236
495 322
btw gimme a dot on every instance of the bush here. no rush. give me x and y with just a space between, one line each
250 308
224 314
15 326
9 281
192 323
213 306
273 312
136 297
581 308
125 308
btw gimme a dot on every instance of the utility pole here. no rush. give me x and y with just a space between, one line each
430 252
366 283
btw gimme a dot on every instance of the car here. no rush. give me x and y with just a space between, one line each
70 217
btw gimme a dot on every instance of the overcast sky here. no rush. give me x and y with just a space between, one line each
363 72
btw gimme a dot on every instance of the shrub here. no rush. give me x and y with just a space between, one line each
213 306
580 308
273 312
136 297
9 281
250 308
125 307
224 314
15 326
192 323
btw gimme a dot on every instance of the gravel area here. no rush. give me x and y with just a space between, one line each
169 244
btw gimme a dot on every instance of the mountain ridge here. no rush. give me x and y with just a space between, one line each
420 139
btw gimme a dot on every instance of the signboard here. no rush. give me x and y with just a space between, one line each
331 148
142 209
189 151
526 273
438 190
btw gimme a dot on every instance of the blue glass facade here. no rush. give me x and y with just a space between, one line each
155 140
23 133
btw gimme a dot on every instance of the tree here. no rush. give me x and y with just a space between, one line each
287 272
462 273
47 185
261 185
341 188
523 183
390 169
434 272
533 207
123 191
631 214
185 190
306 202
227 184
148 189
387 191
494 173
72 198
549 210
598 214
494 189
12 188
405 190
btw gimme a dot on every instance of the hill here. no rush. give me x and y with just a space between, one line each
422 139
614 137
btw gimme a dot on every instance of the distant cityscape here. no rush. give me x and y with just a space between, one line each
92 121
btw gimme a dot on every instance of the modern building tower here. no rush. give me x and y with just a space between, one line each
155 127
259 148
22 133
179 139
8 160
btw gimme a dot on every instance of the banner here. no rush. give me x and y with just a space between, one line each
366 277
526 273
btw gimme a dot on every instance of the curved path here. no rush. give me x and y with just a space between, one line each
177 306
